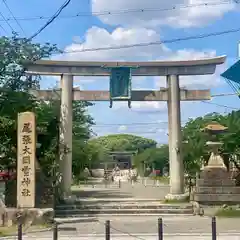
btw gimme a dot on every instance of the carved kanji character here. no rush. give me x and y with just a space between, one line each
26 139
26 150
26 192
27 128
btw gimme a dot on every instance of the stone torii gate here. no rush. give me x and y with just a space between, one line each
172 94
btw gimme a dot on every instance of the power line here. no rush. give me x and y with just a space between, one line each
137 132
167 41
128 11
224 94
4 19
154 123
50 20
129 124
5 3
220 105
3 29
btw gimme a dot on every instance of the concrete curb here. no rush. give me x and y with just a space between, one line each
165 234
76 220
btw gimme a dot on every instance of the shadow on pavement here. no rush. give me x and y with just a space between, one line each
101 193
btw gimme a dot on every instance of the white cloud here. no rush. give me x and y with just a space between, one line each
147 107
99 37
153 106
122 128
181 16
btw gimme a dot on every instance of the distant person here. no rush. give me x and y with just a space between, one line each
86 174
147 172
133 174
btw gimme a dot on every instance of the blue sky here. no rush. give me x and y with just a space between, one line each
129 28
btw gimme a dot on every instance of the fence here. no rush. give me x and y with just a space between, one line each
108 227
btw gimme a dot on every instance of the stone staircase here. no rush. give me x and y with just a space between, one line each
120 207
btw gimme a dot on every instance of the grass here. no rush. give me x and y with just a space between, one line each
12 230
161 179
6 231
228 213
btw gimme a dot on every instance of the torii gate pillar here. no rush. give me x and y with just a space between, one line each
175 139
65 133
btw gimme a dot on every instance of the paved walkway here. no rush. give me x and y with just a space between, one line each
148 225
145 228
138 190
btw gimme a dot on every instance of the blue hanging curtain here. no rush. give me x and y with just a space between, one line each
120 84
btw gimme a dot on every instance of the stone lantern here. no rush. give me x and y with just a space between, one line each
215 185
215 160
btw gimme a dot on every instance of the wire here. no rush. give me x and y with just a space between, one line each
174 40
5 20
158 123
130 124
224 94
5 3
3 29
50 20
134 132
220 105
129 11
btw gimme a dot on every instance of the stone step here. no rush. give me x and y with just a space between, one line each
135 205
116 200
216 198
215 182
218 190
89 212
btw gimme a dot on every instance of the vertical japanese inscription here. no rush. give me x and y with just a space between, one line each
26 160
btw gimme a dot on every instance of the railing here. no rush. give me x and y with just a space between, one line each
108 228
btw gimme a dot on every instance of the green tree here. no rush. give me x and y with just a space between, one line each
14 85
196 138
157 157
124 142
15 98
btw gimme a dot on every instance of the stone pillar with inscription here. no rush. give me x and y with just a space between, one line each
26 160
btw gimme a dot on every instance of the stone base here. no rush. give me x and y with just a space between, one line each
177 197
98 173
10 216
216 187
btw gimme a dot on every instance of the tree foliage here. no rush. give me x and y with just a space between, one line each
196 148
14 85
157 157
124 142
15 98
